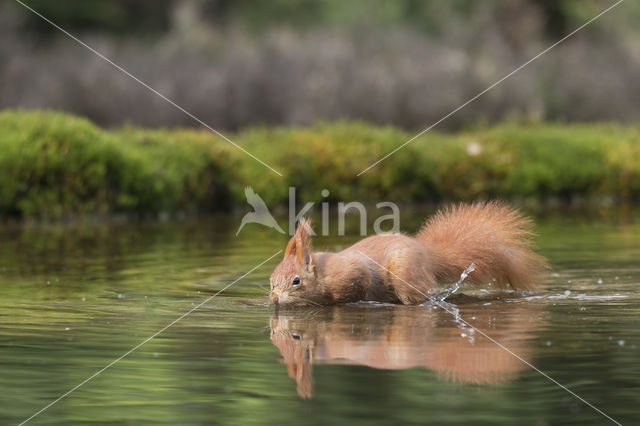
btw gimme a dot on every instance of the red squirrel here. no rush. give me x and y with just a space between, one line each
398 268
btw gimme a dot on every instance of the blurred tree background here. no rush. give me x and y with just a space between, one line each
125 17
294 62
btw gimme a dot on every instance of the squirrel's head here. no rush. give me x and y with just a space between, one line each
294 279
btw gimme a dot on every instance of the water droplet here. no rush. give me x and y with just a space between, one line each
617 278
620 342
567 292
599 280
68 328
84 299
548 343
120 296
569 281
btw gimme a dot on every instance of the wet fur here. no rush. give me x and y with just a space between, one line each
398 268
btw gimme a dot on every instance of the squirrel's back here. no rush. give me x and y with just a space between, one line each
493 235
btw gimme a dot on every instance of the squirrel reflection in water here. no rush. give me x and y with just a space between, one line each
402 337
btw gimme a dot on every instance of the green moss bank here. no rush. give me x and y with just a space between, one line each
55 165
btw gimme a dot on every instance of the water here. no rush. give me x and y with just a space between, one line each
442 295
76 297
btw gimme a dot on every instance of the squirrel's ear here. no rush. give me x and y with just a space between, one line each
300 245
291 247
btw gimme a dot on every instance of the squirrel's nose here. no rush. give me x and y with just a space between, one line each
274 299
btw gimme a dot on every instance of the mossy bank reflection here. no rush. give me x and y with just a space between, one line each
396 337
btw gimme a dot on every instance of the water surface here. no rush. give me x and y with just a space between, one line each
76 297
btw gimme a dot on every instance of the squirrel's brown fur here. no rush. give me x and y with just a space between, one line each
398 268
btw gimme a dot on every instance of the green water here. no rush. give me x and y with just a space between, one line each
74 298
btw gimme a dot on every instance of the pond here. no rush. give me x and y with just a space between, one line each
77 297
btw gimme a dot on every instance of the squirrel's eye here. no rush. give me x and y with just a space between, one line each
296 281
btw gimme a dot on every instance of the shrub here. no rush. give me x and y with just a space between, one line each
55 165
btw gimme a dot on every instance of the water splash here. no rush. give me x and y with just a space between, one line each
442 295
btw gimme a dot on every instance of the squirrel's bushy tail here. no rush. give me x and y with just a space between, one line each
493 235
